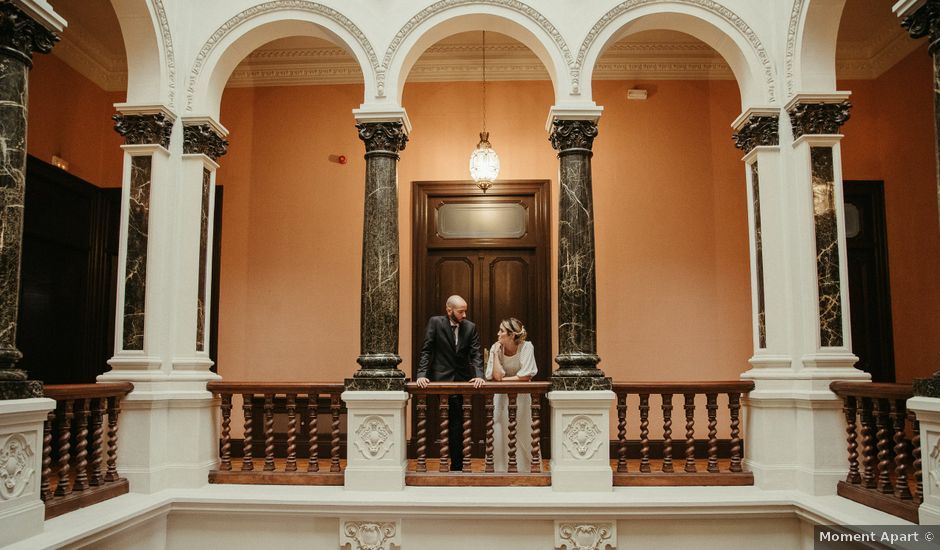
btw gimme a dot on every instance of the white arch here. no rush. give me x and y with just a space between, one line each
151 65
447 17
811 46
249 29
708 21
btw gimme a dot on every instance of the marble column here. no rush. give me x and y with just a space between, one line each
20 36
925 21
577 289
379 357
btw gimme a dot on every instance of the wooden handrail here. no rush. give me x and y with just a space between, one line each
61 392
224 386
465 388
844 388
675 388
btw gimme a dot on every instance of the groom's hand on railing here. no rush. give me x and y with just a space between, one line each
477 382
422 382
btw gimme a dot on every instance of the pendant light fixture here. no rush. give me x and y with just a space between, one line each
484 163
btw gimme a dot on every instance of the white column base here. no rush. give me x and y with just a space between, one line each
927 410
376 448
22 511
580 450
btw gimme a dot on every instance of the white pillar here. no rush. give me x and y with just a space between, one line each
580 448
376 447
22 511
927 410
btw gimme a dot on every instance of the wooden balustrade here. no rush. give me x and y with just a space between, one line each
653 462
476 470
885 473
260 402
74 441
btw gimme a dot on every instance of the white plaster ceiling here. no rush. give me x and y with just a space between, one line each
870 42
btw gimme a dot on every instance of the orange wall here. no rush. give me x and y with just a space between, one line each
891 137
70 116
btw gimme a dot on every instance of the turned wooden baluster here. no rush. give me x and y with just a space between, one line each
268 432
689 432
667 433
45 490
225 452
711 405
488 459
851 439
734 405
445 435
313 406
95 477
868 453
467 402
622 432
248 464
81 445
536 465
902 489
881 421
918 472
65 437
114 410
291 464
513 465
334 432
422 451
645 433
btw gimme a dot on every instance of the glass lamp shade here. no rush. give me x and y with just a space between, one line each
484 163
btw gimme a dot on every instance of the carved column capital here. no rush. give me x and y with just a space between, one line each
144 129
21 35
758 130
383 137
925 22
818 118
203 139
572 134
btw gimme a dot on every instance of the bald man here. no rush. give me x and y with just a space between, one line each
452 353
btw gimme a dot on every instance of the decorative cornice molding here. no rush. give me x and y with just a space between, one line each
21 35
925 21
818 118
203 139
790 58
386 137
572 134
757 131
709 5
169 57
262 9
144 129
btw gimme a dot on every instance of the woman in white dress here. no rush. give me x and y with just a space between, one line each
512 358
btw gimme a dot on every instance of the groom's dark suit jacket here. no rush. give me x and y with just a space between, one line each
441 361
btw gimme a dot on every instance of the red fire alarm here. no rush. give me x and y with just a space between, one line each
341 159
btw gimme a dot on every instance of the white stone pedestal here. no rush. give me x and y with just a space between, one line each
376 449
22 511
580 433
927 410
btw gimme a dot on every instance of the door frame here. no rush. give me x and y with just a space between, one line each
422 191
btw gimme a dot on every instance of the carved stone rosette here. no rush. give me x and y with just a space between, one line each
577 308
585 535
203 139
20 35
582 437
16 469
379 357
818 118
370 535
758 131
144 129
374 437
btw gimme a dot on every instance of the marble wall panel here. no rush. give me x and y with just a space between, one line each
827 247
135 272
203 268
759 259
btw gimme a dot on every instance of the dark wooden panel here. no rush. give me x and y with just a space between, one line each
451 274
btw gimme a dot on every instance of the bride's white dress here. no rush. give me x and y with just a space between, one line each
520 364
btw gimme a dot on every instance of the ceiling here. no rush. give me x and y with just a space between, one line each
870 42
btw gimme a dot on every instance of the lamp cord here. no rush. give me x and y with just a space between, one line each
484 81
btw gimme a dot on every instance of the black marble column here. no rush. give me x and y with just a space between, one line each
20 36
926 22
144 129
379 357
203 139
824 118
758 130
577 289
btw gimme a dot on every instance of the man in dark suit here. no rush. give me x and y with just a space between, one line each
451 353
